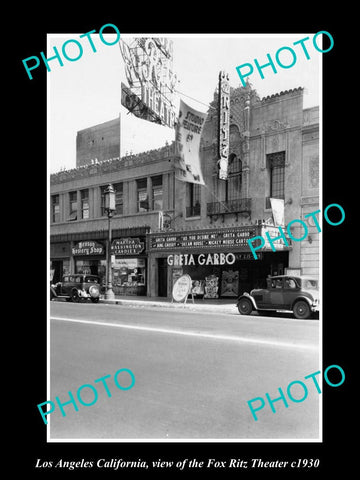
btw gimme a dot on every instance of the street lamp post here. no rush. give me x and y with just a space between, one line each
109 208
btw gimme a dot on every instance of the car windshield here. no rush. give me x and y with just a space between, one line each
309 283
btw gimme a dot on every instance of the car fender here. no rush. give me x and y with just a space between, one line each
53 291
249 297
308 300
83 293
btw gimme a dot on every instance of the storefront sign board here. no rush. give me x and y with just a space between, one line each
182 288
88 247
206 239
127 246
201 259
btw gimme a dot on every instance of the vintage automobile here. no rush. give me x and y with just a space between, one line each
77 287
298 294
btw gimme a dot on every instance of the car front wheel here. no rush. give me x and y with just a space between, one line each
75 296
244 306
302 310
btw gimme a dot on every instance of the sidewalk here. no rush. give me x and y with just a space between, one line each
210 305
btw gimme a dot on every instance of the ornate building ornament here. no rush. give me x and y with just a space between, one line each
274 126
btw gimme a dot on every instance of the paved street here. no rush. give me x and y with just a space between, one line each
194 371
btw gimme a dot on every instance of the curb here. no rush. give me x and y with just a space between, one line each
228 309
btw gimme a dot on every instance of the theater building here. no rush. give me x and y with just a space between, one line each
163 227
274 153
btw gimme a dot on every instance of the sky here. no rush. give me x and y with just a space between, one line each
87 92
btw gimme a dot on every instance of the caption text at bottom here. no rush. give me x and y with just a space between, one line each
116 463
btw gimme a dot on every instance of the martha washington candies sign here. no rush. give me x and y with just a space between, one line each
127 246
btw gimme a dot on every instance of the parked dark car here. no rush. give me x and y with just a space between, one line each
75 287
298 294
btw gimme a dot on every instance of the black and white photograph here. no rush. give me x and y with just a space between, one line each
195 181
193 293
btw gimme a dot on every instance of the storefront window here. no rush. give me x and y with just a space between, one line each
84 266
241 274
129 272
92 267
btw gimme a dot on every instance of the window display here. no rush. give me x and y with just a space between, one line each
198 287
92 267
129 276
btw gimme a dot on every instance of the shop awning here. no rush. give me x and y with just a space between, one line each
99 234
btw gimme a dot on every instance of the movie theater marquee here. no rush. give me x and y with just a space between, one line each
149 72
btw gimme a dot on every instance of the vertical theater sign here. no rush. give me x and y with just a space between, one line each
224 124
149 72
